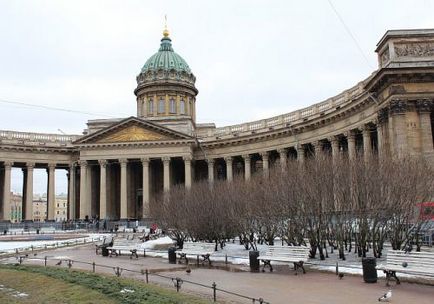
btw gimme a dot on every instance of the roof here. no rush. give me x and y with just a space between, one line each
166 59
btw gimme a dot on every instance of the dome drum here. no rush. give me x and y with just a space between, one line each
166 86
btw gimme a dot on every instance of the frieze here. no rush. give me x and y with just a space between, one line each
419 49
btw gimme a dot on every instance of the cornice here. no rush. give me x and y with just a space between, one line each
136 144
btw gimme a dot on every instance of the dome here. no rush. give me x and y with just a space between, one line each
166 59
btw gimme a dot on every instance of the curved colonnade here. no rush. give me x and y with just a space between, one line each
116 169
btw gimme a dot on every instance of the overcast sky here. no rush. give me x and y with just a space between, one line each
252 59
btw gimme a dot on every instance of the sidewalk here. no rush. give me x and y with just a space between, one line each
281 286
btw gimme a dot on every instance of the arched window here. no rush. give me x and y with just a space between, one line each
182 107
150 106
172 106
161 106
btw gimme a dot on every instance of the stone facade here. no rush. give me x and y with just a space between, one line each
118 165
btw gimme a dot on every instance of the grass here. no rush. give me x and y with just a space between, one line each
55 285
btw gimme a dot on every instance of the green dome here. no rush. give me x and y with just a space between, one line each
166 59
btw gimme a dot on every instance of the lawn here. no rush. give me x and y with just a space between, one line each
54 285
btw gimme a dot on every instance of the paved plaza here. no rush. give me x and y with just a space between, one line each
281 286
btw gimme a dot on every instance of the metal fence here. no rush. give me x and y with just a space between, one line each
176 281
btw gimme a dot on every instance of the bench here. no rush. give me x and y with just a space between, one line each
15 231
120 245
47 230
143 229
106 242
197 249
297 255
416 263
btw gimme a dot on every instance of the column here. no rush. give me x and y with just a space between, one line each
210 170
29 192
351 140
7 191
283 157
124 197
103 189
398 109
382 120
265 163
187 171
71 191
229 174
423 107
166 173
83 190
317 147
247 167
300 153
334 142
145 188
139 107
367 147
51 198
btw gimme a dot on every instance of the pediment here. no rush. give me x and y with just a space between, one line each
132 130
132 133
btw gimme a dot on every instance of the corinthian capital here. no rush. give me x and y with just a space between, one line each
398 106
424 105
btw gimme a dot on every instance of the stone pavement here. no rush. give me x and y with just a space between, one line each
281 286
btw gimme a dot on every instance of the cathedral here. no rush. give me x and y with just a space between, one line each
117 166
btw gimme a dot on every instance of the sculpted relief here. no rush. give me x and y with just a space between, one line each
384 57
421 49
132 133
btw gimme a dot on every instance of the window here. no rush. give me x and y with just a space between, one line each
150 106
172 106
161 106
57 211
182 107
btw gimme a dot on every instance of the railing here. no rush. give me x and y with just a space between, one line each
39 138
292 117
176 281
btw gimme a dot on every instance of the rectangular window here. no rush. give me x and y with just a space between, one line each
172 106
161 106
150 106
182 107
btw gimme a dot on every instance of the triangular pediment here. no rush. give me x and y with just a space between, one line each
132 133
132 130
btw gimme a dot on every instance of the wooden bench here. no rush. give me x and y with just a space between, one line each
104 243
297 255
122 244
197 249
416 263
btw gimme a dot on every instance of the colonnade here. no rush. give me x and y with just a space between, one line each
126 200
362 141
109 188
28 180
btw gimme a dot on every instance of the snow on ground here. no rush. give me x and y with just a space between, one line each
10 246
232 253
13 292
